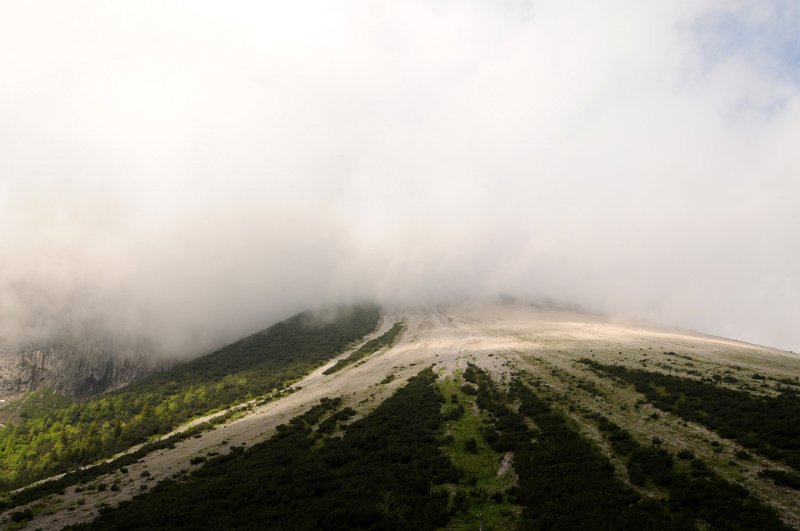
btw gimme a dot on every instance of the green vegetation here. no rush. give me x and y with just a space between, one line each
48 443
481 497
564 482
382 474
488 456
696 495
34 404
82 475
769 425
387 339
783 478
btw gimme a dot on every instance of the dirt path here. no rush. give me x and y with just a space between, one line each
497 337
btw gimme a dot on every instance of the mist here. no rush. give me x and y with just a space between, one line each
188 172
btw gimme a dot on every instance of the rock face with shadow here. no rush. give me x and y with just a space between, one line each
78 369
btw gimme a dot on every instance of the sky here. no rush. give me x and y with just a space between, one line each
192 171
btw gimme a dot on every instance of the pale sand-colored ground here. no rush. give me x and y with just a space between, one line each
502 337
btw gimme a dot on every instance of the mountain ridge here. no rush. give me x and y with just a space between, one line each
507 341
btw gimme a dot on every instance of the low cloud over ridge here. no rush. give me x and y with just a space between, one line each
191 171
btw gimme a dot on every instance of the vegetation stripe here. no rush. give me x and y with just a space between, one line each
697 496
387 339
382 474
769 425
564 482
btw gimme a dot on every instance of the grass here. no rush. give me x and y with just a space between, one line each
33 404
480 466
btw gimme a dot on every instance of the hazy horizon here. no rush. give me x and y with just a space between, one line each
189 172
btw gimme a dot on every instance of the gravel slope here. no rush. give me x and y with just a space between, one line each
498 337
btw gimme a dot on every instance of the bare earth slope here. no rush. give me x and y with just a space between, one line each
500 338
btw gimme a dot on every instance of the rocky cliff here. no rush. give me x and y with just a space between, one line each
76 369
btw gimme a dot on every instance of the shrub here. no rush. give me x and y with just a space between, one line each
471 446
745 456
22 516
686 454
468 389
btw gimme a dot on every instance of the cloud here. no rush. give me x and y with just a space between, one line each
191 171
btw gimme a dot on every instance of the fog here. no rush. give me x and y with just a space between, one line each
189 172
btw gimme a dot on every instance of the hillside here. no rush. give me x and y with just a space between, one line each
57 440
73 367
501 417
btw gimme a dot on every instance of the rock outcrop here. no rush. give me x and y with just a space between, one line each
75 369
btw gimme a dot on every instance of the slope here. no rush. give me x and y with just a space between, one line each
81 433
658 460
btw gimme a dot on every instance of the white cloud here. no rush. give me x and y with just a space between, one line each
201 168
